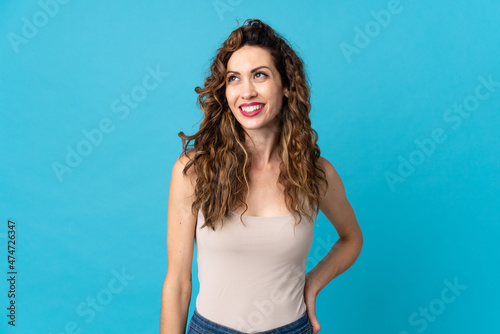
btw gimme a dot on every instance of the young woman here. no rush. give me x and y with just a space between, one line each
248 192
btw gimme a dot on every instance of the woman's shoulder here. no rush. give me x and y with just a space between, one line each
332 176
180 165
327 165
186 157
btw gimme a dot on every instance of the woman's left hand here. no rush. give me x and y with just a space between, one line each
310 301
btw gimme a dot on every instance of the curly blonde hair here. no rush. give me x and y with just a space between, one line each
220 159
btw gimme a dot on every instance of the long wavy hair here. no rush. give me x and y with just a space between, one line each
219 155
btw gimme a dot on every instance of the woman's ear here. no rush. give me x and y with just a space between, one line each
285 92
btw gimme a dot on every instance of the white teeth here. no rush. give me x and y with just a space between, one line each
252 108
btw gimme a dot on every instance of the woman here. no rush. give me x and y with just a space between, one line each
248 193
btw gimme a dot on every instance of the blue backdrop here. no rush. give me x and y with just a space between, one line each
406 100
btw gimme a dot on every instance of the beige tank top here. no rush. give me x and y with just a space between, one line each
252 276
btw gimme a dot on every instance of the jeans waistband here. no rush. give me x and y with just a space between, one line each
205 326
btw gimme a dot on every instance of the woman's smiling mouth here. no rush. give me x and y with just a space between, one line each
251 109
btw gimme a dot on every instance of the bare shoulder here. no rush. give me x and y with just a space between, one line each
182 161
335 184
182 187
186 181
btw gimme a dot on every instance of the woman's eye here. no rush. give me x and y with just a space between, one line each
262 75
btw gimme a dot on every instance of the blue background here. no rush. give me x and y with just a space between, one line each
438 223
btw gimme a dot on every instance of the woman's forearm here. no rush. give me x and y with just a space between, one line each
340 257
174 308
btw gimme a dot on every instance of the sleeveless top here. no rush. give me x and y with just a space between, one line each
252 276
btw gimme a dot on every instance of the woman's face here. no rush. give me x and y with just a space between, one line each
254 90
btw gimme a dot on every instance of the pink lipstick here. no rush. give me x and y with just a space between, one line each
253 112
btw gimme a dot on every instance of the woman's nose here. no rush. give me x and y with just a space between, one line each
247 90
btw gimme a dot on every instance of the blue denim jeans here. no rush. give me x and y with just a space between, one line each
201 325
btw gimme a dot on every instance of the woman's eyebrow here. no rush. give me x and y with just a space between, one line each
252 71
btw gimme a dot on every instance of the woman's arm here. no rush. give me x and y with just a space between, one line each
181 227
345 251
